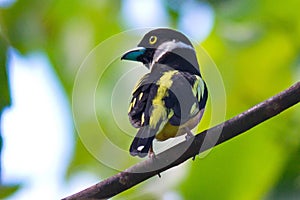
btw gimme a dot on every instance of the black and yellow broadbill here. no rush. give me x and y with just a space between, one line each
170 100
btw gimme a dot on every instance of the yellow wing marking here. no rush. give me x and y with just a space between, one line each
130 107
159 110
198 87
141 95
194 109
133 102
143 119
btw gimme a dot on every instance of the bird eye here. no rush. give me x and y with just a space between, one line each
152 39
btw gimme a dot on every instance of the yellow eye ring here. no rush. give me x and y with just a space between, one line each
152 39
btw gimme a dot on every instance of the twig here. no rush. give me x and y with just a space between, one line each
192 147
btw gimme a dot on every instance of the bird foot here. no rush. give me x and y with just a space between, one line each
153 156
194 157
189 134
151 153
159 176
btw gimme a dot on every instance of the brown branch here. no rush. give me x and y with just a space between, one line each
192 147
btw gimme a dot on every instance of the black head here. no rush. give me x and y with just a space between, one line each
155 38
165 46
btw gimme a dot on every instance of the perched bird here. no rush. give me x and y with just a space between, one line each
170 100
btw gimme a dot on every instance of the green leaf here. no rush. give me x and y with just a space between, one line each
8 190
5 99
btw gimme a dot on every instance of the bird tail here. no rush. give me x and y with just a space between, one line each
142 142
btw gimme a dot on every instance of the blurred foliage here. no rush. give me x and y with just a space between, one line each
7 190
5 101
256 47
4 88
255 44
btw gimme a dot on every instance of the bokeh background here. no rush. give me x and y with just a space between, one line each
43 46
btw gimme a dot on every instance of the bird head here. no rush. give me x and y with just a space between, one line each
165 46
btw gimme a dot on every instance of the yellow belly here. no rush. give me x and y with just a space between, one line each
170 131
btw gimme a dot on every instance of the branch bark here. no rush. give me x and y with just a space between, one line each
192 147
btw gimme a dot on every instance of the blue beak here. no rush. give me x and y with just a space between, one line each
134 54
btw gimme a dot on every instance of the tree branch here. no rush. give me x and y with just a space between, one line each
192 147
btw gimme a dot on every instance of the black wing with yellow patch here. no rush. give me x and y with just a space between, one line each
187 96
171 97
142 96
139 114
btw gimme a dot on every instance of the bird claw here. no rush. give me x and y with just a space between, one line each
189 134
153 156
151 153
158 174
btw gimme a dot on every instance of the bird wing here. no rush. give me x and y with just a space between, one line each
187 96
147 109
174 97
141 96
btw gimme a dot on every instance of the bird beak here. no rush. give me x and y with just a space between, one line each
134 54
